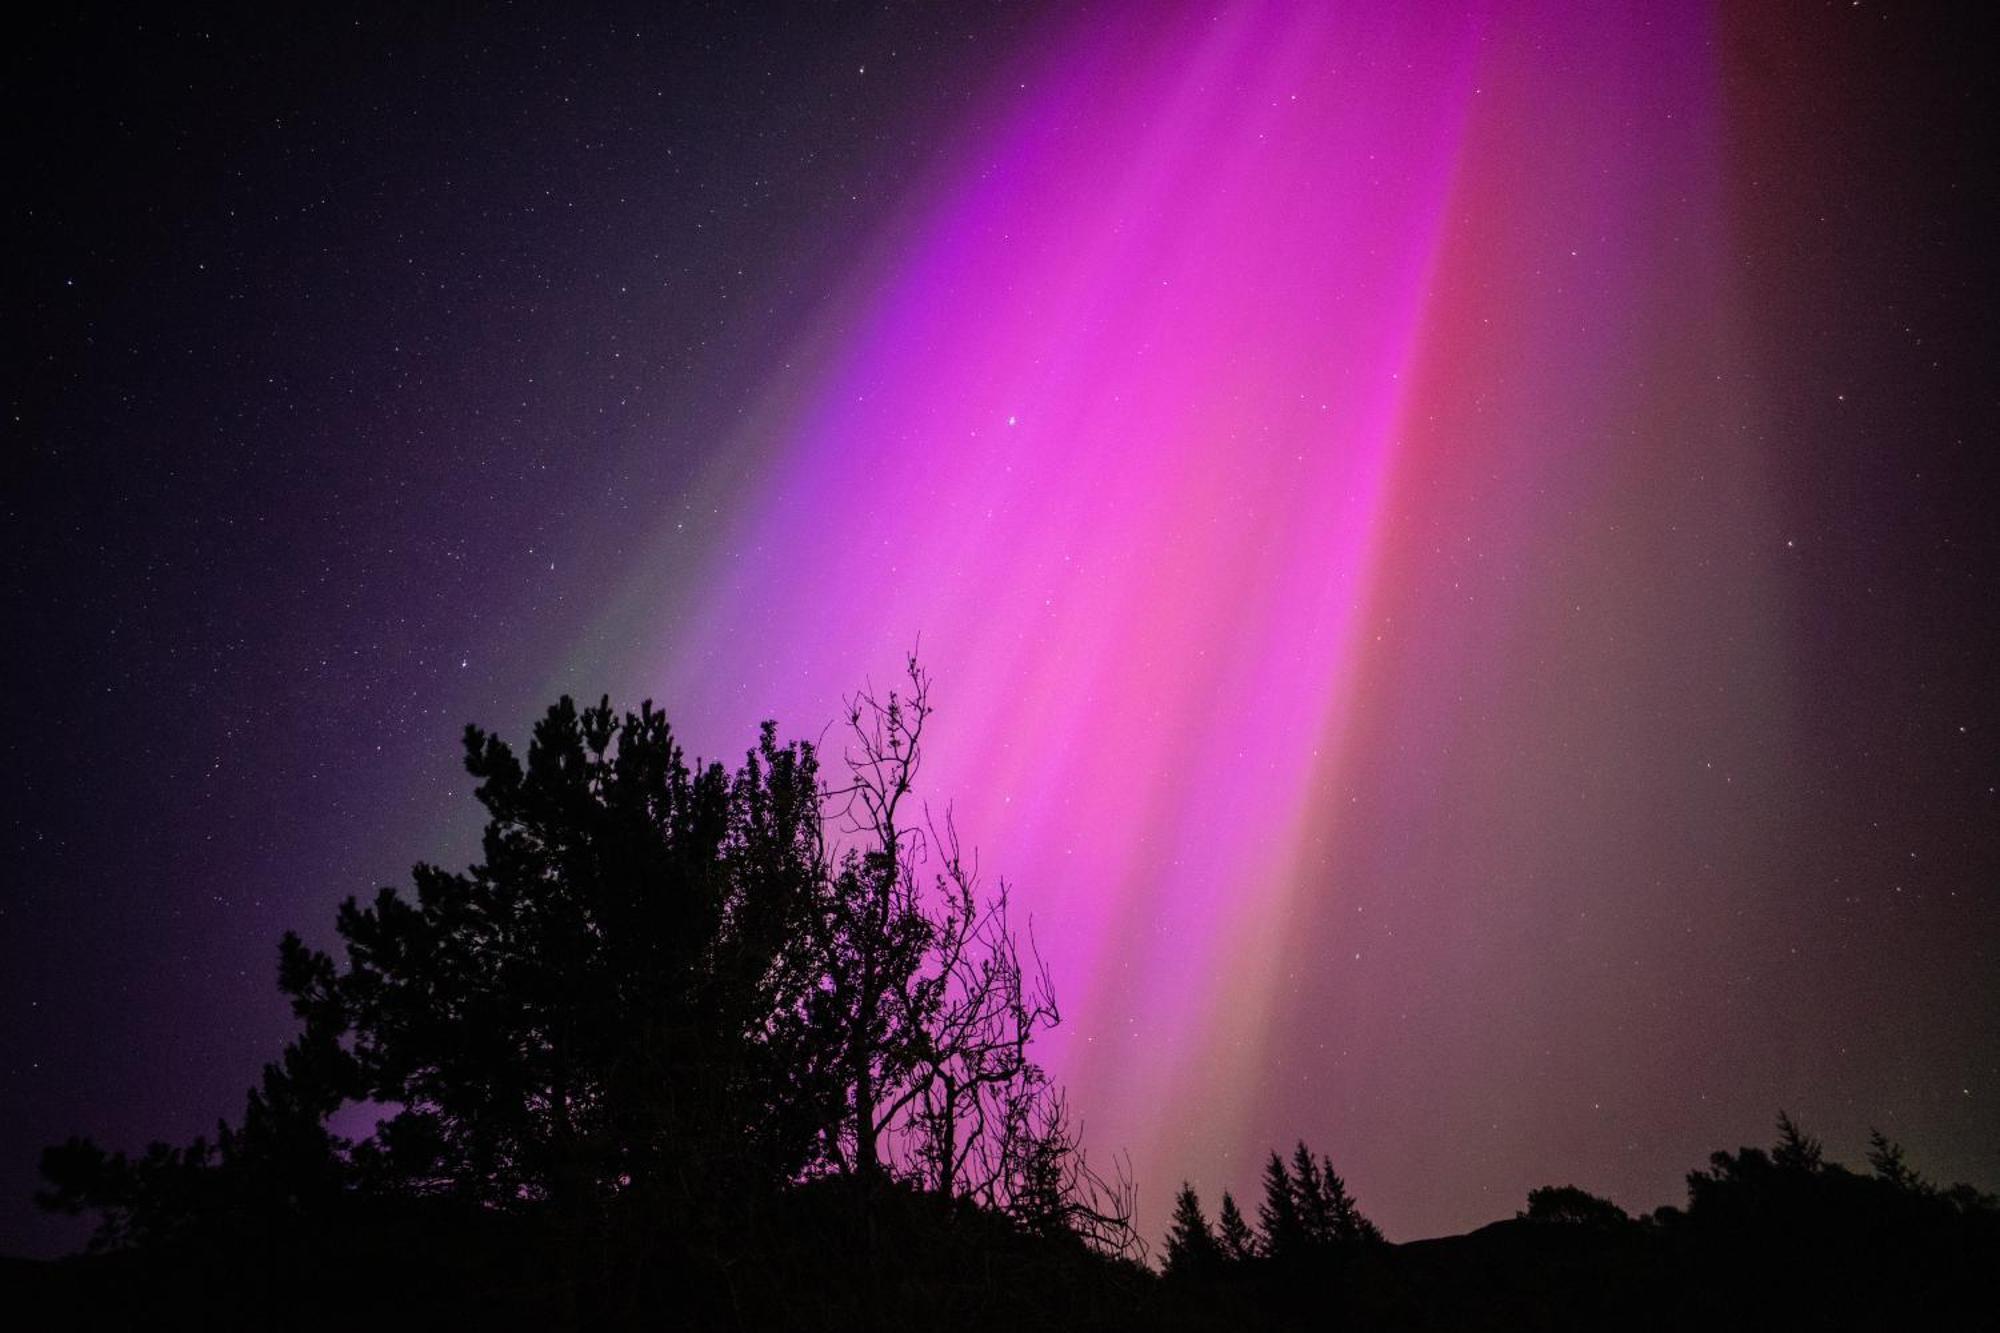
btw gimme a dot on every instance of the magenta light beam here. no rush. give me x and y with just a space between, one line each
1112 420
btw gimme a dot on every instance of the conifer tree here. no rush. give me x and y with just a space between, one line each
1309 1193
1885 1158
1192 1249
1796 1150
1233 1233
1347 1226
1278 1215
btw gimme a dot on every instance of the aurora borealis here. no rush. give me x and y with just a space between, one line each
1451 539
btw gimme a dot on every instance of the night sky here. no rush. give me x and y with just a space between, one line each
1456 541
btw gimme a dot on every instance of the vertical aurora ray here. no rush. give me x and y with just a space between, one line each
1116 424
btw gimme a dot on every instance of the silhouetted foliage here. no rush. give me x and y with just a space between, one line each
1796 1150
1307 1209
1192 1249
1310 1199
1232 1232
1788 1233
279 1164
1574 1207
751 1048
1347 1227
1886 1160
144 1201
1281 1230
663 994
614 992
934 1006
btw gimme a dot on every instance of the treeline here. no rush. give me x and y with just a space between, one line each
1773 1238
754 1047
1307 1217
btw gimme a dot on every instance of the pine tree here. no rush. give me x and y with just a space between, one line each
1796 1150
1347 1227
1233 1233
1309 1192
1192 1249
1278 1215
1885 1156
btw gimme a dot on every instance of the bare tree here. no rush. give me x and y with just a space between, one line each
939 1003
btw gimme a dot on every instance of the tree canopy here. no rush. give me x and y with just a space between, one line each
661 984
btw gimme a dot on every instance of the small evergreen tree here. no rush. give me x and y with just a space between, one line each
1278 1215
1192 1249
1233 1233
1886 1158
1310 1195
1796 1150
1346 1224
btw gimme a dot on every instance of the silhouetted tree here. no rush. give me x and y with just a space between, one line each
1307 1208
1792 1177
1800 1240
152 1199
1885 1158
935 1007
659 983
1232 1233
1192 1249
614 995
1282 1236
1310 1199
280 1163
1348 1227
1796 1150
1569 1205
